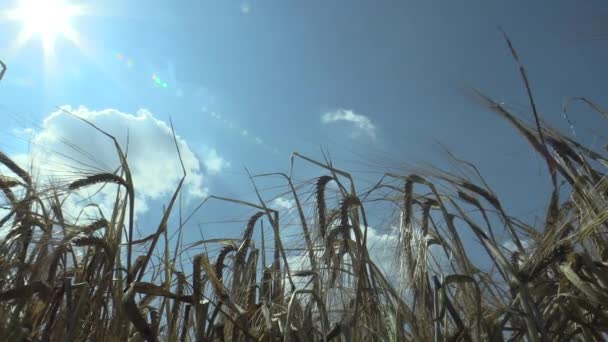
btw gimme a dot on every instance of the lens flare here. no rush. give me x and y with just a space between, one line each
160 82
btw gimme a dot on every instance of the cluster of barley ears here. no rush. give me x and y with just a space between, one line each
66 279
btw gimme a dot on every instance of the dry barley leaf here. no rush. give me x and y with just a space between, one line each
155 290
27 291
135 316
219 288
585 287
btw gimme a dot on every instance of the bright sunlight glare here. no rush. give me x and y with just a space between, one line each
48 19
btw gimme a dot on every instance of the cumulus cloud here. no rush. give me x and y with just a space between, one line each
214 163
362 123
65 148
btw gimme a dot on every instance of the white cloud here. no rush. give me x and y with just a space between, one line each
245 133
283 203
214 163
65 149
245 8
361 122
259 140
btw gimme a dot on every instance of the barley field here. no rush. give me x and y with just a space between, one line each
99 279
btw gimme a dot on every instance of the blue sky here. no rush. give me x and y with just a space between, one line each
250 82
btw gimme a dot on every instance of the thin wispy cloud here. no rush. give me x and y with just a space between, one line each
284 203
245 8
234 126
361 123
19 81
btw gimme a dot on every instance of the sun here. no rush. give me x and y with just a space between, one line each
46 19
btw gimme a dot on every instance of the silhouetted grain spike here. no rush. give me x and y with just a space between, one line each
8 182
303 273
564 150
475 202
320 193
251 289
242 251
87 241
329 244
219 262
101 223
9 195
139 261
266 288
11 165
426 210
181 283
407 203
219 288
5 219
186 324
536 265
334 332
197 296
277 278
197 287
345 206
57 210
515 259
96 179
84 241
524 77
154 319
482 192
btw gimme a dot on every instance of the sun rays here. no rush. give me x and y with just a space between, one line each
49 20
